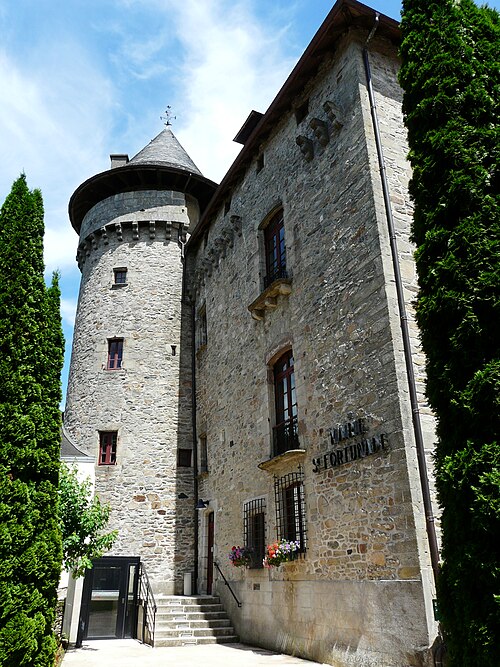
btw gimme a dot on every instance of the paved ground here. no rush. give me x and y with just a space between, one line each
129 653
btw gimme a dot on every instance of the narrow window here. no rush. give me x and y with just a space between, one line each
184 457
203 451
254 517
115 353
274 240
290 508
301 111
285 431
260 163
120 276
201 328
227 206
107 448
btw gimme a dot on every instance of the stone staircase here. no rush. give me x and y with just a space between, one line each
186 620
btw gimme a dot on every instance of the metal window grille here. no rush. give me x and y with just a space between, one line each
290 507
107 448
254 520
115 353
120 276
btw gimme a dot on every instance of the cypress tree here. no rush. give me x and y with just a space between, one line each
450 77
31 356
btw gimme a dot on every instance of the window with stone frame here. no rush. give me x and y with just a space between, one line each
254 520
275 249
285 430
184 458
290 507
203 454
115 354
120 275
201 328
107 448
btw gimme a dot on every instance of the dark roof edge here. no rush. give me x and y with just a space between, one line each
113 181
387 26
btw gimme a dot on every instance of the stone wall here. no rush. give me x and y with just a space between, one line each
366 562
148 400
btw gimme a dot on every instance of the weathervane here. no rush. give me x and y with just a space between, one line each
168 118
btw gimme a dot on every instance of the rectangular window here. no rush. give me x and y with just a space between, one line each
274 241
285 431
201 328
107 448
203 452
115 353
120 275
254 517
290 508
184 457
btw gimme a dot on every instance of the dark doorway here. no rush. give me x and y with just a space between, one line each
210 553
109 600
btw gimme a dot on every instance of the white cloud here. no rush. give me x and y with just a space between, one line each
68 311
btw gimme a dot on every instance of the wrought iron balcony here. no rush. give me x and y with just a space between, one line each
277 273
285 436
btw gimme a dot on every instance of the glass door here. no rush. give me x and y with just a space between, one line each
109 601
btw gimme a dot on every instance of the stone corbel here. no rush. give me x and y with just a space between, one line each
306 147
104 235
207 265
135 231
228 237
168 231
236 224
220 244
213 256
93 241
152 229
320 129
335 115
182 233
119 231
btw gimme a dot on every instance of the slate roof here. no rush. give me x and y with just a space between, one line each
68 448
165 150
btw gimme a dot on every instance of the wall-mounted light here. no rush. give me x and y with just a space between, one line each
202 504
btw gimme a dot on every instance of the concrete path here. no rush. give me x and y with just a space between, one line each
129 653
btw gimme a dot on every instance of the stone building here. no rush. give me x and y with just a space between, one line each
268 371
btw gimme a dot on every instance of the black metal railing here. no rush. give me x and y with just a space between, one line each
285 436
275 273
227 583
146 606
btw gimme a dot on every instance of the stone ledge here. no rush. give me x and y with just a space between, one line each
268 299
289 457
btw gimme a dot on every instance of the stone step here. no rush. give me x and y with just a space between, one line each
187 609
188 623
168 614
165 633
191 641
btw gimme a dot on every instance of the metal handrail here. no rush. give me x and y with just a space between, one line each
147 599
227 583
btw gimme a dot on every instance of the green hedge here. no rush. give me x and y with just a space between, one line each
31 356
450 77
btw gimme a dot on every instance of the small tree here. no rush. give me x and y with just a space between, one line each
82 519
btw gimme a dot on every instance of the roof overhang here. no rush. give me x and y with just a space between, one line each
133 178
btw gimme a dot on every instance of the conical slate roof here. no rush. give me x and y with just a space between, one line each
164 150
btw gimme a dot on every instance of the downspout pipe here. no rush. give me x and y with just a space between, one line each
417 426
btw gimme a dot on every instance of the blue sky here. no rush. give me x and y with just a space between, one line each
81 79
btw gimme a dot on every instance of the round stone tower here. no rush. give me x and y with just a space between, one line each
129 392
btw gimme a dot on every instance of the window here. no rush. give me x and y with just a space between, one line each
120 276
290 508
301 111
254 518
107 448
184 457
285 431
203 461
274 240
260 163
201 328
115 353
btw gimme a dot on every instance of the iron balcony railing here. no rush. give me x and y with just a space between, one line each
275 273
285 436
